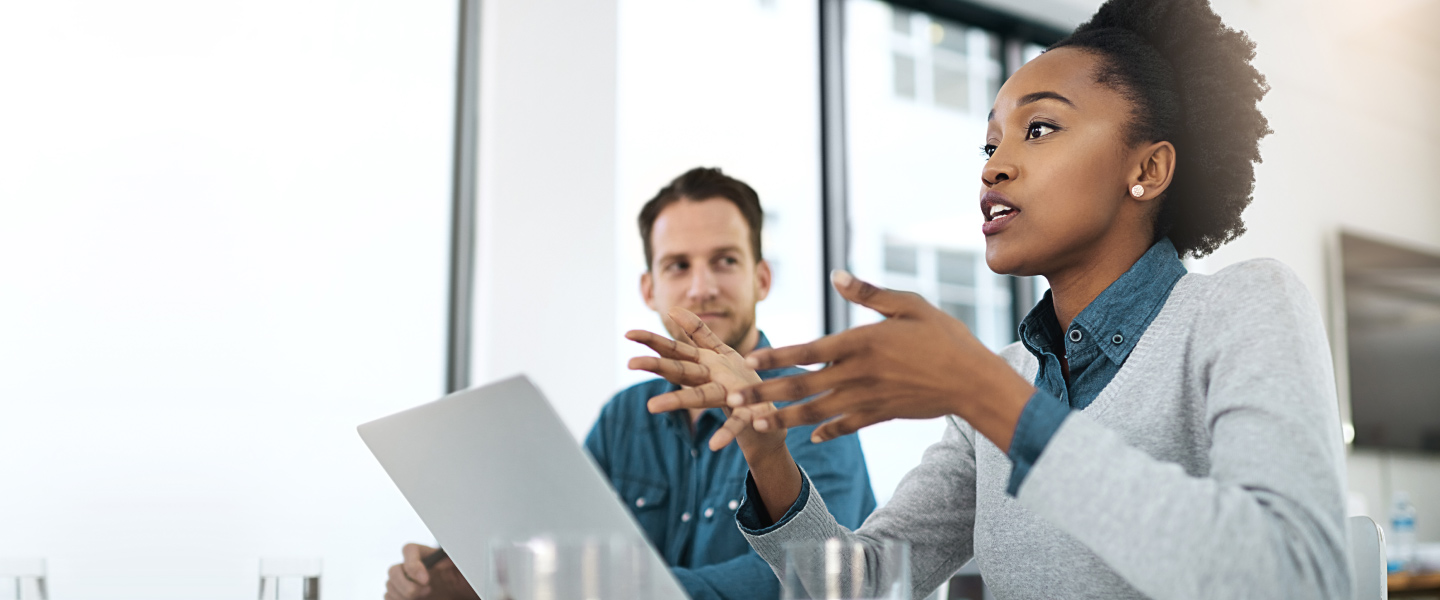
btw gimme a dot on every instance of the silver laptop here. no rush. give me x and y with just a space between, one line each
497 463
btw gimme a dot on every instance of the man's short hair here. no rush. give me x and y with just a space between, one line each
703 183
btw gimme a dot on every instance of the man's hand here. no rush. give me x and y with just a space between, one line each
918 363
707 371
410 580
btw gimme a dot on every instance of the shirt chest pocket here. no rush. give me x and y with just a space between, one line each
648 501
725 498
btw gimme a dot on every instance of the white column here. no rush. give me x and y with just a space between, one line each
545 301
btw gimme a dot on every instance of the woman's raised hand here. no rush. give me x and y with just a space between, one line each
707 371
919 363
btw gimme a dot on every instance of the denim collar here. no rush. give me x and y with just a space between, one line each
1115 320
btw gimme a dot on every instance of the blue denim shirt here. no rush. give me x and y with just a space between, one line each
1096 346
685 496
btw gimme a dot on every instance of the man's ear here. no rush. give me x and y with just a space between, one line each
647 290
762 280
1153 172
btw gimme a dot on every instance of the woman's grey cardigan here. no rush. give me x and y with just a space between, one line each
1211 466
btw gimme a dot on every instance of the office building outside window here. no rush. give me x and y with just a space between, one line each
917 91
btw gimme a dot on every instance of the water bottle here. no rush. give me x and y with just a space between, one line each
1401 538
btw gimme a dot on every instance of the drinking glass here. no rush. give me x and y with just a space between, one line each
834 569
572 568
290 578
27 577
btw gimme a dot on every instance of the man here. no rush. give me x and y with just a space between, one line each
702 252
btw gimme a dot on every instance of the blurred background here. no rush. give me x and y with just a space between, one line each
227 232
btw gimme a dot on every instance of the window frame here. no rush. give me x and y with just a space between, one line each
1015 33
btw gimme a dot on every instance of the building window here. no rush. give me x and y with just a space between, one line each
941 63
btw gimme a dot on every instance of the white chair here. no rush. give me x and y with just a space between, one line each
1367 559
28 575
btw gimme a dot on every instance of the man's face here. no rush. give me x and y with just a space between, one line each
703 263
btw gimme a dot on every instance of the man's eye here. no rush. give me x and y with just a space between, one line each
678 266
1040 129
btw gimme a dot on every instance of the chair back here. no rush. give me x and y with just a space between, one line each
1367 559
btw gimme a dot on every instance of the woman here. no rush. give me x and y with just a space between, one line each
1154 433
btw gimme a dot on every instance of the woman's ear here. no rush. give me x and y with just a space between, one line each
1154 168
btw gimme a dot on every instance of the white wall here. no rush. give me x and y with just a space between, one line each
545 300
1355 146
222 246
587 109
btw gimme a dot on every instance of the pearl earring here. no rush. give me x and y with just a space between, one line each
1137 191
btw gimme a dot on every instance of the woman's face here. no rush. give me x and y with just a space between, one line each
1055 187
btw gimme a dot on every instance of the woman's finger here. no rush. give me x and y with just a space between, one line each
710 395
793 387
698 331
664 346
826 349
823 408
846 424
886 302
678 372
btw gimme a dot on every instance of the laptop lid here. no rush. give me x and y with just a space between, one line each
497 463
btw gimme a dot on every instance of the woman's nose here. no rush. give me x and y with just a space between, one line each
999 168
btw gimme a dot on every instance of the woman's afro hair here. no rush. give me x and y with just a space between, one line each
1191 83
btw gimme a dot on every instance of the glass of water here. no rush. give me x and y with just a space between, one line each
290 578
572 568
834 569
24 577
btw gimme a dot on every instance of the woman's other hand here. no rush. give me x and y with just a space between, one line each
919 363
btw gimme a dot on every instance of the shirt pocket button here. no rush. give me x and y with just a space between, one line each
709 512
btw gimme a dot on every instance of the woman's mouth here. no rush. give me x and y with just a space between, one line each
998 212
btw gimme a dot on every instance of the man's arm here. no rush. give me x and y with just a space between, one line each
595 443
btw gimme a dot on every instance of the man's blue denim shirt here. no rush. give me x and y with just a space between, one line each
685 496
1096 345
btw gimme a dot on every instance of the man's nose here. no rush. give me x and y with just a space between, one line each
702 284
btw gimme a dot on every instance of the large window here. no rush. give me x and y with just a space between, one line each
916 91
224 236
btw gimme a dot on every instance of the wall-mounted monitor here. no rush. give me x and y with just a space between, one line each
1392 315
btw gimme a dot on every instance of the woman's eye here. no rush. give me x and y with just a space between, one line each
1038 129
988 150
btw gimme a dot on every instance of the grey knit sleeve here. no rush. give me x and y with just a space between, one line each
933 509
